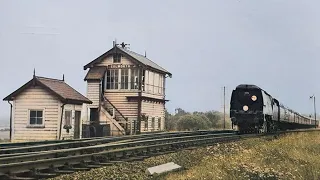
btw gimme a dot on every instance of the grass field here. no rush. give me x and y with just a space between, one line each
295 156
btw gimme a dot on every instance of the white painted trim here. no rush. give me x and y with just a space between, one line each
13 120
59 119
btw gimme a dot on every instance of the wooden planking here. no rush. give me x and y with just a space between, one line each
35 98
72 108
93 93
109 60
156 96
152 109
119 100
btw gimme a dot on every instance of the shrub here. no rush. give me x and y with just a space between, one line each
192 122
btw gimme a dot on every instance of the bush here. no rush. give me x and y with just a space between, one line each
192 122
183 120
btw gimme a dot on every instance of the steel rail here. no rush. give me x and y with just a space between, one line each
83 148
102 147
91 142
34 143
87 161
52 167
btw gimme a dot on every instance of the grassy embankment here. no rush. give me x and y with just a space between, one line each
296 156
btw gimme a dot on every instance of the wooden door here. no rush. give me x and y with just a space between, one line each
77 121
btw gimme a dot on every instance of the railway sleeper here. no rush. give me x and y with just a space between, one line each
59 171
89 164
132 159
74 167
19 178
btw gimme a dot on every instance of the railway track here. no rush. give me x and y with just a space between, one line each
29 149
35 143
52 163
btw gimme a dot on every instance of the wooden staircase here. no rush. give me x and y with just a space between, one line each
114 115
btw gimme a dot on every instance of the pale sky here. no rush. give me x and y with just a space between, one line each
205 45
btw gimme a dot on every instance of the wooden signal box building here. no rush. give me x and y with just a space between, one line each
128 94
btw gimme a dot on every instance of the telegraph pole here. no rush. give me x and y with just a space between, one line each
224 107
314 108
315 113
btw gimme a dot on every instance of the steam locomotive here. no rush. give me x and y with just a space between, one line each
253 110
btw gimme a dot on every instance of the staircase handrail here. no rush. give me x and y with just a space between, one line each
104 98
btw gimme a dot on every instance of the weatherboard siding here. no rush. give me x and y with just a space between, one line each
109 61
35 98
93 88
72 108
153 88
129 109
153 109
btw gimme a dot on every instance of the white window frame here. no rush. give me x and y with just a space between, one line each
120 79
113 82
36 125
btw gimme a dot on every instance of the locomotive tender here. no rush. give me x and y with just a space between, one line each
252 109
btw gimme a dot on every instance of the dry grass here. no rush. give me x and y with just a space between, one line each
296 156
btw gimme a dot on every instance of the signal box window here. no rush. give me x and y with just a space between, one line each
112 78
124 78
116 58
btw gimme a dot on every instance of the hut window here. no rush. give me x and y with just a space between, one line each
36 117
67 118
112 78
116 58
124 78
